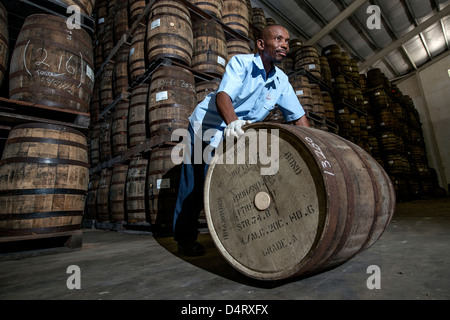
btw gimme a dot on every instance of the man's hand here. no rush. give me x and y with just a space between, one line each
235 128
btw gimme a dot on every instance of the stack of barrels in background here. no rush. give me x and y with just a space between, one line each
132 106
44 170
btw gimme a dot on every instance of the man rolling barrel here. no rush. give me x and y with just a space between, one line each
250 88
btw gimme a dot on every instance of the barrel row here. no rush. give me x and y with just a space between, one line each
152 110
141 192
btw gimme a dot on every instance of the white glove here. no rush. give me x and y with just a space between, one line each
235 128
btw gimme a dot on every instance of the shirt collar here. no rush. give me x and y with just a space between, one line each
272 73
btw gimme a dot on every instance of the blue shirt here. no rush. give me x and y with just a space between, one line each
253 94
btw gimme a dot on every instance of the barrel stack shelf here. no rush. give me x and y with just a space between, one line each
318 120
153 144
15 113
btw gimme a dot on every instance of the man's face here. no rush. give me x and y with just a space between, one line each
274 44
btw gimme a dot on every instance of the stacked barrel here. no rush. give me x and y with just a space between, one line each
402 148
350 103
132 107
44 166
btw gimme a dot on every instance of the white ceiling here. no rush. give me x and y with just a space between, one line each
412 33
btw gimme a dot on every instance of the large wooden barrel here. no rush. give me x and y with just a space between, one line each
137 115
108 36
135 191
121 75
102 201
4 43
320 201
163 182
302 89
105 145
210 53
235 15
136 8
259 18
237 46
307 58
117 192
44 177
106 87
172 98
119 129
52 65
203 88
169 32
213 7
136 59
91 199
120 20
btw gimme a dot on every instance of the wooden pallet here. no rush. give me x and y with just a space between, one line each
14 112
38 244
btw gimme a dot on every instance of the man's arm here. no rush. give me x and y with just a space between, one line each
225 107
303 122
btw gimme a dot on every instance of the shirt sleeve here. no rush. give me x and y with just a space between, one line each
232 79
290 105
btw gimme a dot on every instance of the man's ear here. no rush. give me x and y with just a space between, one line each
260 44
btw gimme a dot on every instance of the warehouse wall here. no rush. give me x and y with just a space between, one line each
430 92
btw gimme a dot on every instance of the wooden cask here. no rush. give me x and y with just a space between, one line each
319 203
135 190
172 98
119 129
302 89
307 58
213 7
169 32
117 192
137 115
105 145
106 87
136 7
102 201
4 43
44 177
259 18
108 36
136 56
91 199
52 65
120 20
163 182
237 46
235 15
203 88
94 144
121 75
210 53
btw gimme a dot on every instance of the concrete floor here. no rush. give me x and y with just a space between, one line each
413 256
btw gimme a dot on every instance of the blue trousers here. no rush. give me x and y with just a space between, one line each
190 194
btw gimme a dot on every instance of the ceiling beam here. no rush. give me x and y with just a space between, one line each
400 41
314 14
283 20
335 22
369 40
393 34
